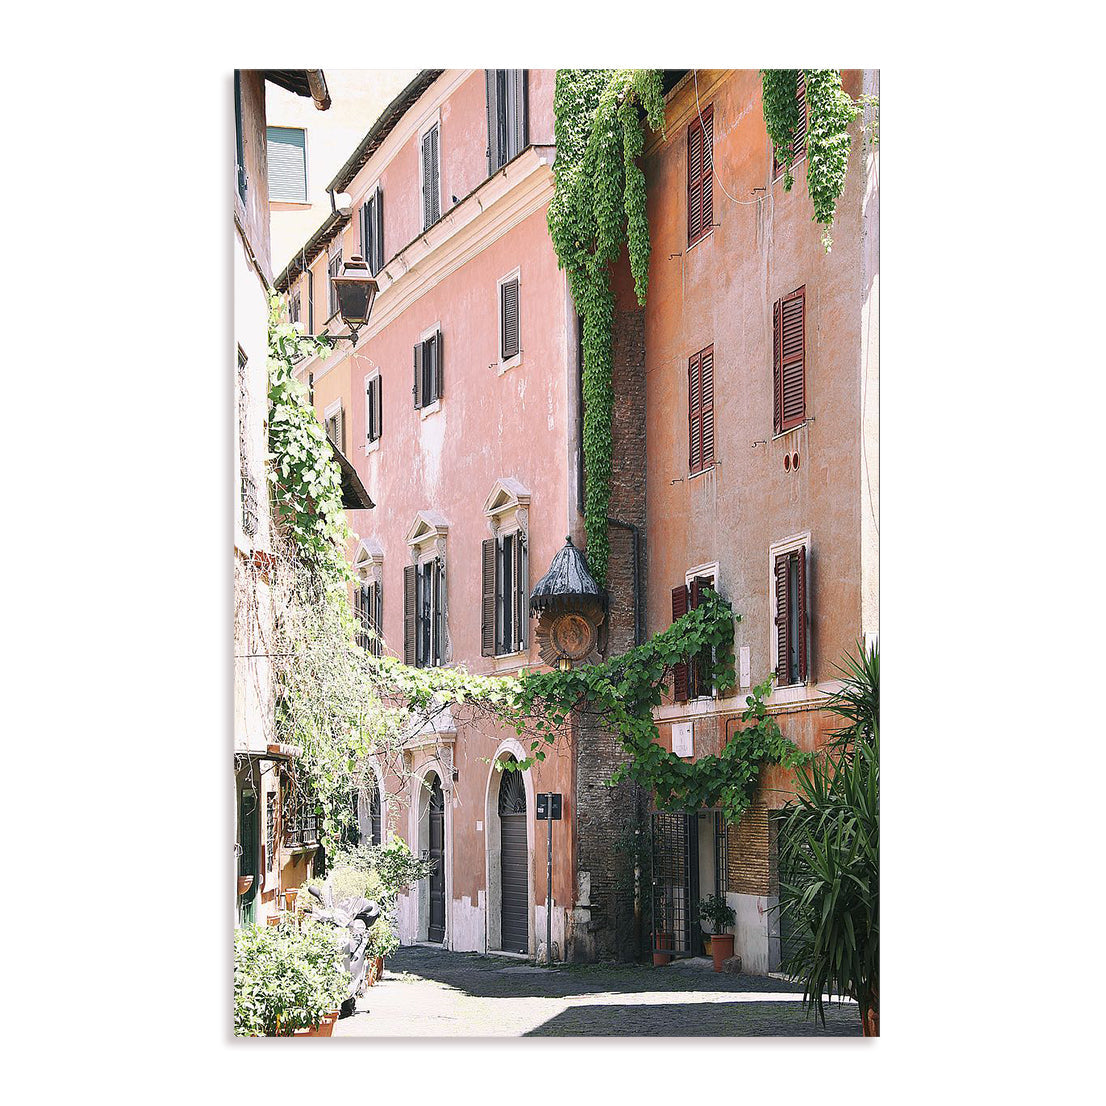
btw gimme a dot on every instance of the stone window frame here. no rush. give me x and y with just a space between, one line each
507 510
427 541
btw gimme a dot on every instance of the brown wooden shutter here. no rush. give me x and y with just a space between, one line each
310 302
706 405
427 178
706 182
378 617
377 260
508 294
416 391
793 359
437 610
695 433
340 429
409 572
522 592
798 139
439 368
367 231
804 630
378 406
783 623
516 112
357 623
679 670
777 369
491 88
694 176
487 597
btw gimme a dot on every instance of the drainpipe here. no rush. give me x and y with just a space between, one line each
635 532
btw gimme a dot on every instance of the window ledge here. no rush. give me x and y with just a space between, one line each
372 447
430 409
511 363
702 472
791 430
701 238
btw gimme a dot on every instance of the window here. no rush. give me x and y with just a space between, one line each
790 592
431 178
700 175
505 616
509 318
310 303
700 410
504 571
367 615
428 370
693 676
372 231
270 830
373 397
376 835
311 389
798 140
507 115
294 307
287 164
298 808
239 141
333 269
789 361
334 423
423 607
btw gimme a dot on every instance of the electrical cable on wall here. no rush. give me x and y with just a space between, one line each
713 171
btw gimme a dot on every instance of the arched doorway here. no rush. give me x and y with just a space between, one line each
436 849
514 904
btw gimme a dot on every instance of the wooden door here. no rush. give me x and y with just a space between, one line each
436 929
515 929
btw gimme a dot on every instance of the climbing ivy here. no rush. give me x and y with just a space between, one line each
625 689
830 110
307 483
598 206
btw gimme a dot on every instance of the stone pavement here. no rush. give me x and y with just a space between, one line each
427 992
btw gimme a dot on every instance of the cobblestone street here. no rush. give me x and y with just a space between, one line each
427 992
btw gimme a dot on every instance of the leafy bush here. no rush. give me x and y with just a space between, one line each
829 856
717 911
383 939
394 864
345 881
285 978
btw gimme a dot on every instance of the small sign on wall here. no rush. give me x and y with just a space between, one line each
746 678
682 743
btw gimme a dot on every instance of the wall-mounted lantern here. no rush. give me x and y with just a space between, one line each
570 607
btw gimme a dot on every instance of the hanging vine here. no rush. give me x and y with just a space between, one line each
624 690
830 110
598 206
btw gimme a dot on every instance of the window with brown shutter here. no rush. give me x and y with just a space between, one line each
335 427
428 370
700 410
372 231
508 319
431 178
373 401
792 622
424 613
504 593
700 175
487 597
680 670
789 360
507 115
798 139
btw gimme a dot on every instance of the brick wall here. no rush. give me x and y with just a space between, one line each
748 853
605 926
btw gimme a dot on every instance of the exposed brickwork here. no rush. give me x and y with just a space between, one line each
606 818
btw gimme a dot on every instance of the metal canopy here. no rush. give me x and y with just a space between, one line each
354 495
567 584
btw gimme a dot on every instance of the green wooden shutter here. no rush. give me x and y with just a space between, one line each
287 164
416 390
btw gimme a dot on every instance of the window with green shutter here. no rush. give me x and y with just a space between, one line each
287 164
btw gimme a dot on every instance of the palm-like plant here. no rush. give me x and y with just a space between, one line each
829 855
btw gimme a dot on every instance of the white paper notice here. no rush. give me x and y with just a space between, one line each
746 680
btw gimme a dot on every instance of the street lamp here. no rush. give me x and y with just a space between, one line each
356 289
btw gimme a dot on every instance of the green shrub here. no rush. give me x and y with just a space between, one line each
285 978
715 910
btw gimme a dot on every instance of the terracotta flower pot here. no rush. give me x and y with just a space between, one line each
244 884
664 941
290 898
721 948
706 945
379 964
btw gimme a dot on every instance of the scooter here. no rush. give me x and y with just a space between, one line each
355 915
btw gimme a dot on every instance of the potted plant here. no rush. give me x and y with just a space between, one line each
287 981
719 914
244 884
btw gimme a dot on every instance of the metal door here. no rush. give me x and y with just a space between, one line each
436 929
512 864
675 851
249 843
